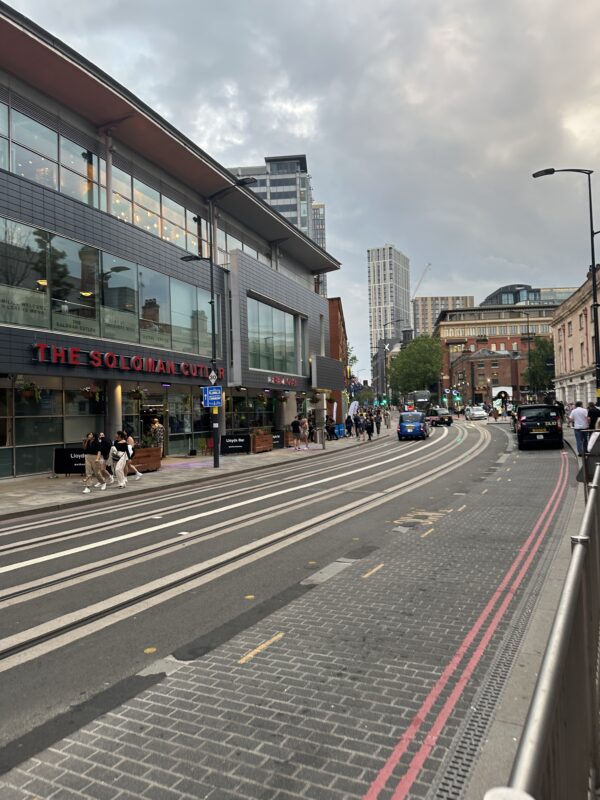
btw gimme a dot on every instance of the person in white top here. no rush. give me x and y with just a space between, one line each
579 421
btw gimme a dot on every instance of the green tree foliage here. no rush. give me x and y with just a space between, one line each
541 365
417 366
365 396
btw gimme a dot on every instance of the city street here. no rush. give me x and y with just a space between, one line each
326 627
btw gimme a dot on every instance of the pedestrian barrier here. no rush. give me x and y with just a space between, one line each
558 754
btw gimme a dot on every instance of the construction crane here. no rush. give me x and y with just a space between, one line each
425 271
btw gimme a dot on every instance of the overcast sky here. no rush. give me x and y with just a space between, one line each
422 120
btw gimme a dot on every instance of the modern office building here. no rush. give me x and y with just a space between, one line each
524 293
389 294
426 310
319 236
102 320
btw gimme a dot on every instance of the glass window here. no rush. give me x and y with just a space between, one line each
34 167
23 276
79 188
174 234
121 207
233 243
4 154
29 460
205 326
119 299
34 135
183 316
155 311
121 182
191 242
173 211
32 400
74 272
146 219
77 158
279 349
3 119
271 338
145 196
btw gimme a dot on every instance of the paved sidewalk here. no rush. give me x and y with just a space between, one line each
45 492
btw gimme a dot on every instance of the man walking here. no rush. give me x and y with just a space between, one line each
580 422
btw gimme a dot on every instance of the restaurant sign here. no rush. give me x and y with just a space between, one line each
96 359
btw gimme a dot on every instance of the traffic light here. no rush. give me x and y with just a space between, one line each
384 401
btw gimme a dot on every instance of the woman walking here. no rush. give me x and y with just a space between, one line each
91 449
120 456
131 449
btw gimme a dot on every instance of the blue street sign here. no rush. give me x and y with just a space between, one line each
212 396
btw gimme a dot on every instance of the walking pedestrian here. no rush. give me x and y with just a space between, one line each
295 426
387 418
369 425
349 425
131 452
120 455
593 413
303 433
157 432
378 422
91 449
105 445
579 421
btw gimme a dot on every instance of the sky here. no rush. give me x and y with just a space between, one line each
421 120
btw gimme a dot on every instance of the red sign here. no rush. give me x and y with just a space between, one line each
282 380
75 357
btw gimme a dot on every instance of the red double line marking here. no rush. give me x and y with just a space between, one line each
523 560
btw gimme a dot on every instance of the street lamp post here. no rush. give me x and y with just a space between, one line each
211 261
550 171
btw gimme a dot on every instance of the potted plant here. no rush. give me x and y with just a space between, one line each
137 393
92 392
29 390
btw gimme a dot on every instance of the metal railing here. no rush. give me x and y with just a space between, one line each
558 755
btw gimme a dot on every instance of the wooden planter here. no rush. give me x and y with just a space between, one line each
261 442
289 439
147 459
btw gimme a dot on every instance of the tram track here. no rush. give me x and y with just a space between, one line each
34 642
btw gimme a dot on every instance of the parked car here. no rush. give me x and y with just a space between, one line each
413 425
439 416
475 412
538 424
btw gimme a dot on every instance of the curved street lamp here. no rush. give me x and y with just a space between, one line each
550 171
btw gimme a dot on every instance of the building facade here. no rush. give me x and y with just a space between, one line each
524 293
104 320
389 294
337 407
574 347
426 310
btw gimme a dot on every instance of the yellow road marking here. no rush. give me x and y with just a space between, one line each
423 535
311 563
462 508
372 571
249 597
251 653
149 650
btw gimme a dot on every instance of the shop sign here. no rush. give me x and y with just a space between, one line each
282 380
96 359
69 461
235 444
278 439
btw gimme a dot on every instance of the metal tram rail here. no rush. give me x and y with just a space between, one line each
558 756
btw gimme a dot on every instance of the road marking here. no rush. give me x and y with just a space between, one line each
184 533
508 469
484 491
372 571
462 508
249 597
423 535
498 479
149 650
250 654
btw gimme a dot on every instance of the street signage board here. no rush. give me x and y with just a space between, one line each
212 396
212 376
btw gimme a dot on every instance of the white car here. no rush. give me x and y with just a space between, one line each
475 412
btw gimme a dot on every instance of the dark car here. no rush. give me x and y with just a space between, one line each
413 425
439 416
538 424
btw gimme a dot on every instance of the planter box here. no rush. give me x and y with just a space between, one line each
147 459
261 442
289 439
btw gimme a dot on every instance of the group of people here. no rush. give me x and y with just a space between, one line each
107 461
363 424
582 420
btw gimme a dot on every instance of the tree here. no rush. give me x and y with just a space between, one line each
365 396
417 366
540 369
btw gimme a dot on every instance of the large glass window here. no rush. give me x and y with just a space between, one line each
80 160
79 188
146 219
183 317
121 182
3 119
119 299
23 277
271 338
4 154
34 167
74 272
146 207
155 311
121 207
173 211
205 324
34 135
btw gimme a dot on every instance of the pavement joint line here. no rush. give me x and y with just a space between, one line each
373 571
423 535
261 647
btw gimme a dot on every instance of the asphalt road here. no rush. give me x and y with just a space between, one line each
89 598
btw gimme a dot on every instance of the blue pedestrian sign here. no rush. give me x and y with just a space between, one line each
212 396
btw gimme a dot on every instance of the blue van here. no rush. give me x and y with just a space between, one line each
413 425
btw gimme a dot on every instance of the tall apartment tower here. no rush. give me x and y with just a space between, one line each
427 309
284 183
389 294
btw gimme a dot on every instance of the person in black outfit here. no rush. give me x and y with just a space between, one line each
593 414
295 426
105 445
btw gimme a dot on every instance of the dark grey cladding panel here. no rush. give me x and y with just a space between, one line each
327 373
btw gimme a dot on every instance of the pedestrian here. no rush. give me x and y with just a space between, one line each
157 432
580 422
91 449
357 425
131 452
120 455
295 426
303 433
349 425
378 422
105 445
387 418
593 413
369 425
